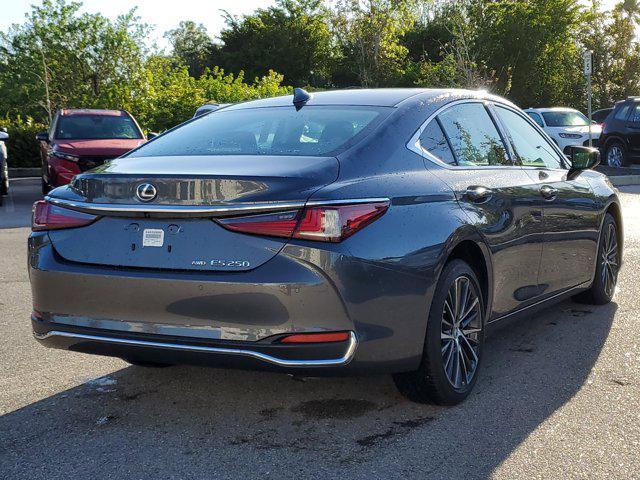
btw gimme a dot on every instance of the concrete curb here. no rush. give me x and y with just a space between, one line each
24 172
623 180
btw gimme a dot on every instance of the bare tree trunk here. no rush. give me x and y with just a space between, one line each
45 80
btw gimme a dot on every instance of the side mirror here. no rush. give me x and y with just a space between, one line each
151 135
582 158
42 136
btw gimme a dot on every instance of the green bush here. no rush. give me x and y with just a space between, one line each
22 146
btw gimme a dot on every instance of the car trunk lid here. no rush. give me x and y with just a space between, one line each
175 228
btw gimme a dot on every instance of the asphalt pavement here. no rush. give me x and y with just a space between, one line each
558 397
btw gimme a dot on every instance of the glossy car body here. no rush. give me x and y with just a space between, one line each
620 145
530 233
65 154
565 135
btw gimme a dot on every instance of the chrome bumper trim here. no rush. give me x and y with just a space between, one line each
346 358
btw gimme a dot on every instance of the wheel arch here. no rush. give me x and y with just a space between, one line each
614 209
473 250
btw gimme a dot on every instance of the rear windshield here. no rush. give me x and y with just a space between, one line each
310 131
93 127
565 119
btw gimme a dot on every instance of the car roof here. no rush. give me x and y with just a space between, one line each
92 111
380 97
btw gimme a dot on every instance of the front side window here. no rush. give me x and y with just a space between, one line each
433 141
94 127
310 131
565 119
536 118
473 136
530 147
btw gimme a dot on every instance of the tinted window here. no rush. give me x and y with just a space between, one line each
530 147
635 116
310 131
565 119
96 127
473 136
601 115
622 112
434 141
536 118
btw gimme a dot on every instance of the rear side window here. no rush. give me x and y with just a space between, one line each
530 147
473 136
310 131
623 112
635 116
433 141
536 118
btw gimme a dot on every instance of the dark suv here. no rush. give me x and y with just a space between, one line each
620 139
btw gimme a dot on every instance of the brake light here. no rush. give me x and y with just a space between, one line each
47 216
316 337
331 223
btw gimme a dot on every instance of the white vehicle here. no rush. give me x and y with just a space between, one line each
565 126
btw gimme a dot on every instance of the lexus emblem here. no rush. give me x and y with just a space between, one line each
146 192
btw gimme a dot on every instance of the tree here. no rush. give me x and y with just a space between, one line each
192 46
368 34
61 58
292 38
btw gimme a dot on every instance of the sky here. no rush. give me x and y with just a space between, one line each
162 14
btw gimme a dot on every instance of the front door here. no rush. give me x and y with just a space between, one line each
571 220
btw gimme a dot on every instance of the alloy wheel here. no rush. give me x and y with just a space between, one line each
609 263
614 156
461 328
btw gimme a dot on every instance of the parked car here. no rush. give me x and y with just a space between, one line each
209 107
339 232
4 166
599 116
82 139
620 143
566 126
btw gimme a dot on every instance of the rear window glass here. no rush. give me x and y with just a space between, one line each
93 127
310 131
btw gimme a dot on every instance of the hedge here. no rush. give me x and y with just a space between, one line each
22 147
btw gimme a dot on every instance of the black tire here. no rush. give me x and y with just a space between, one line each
608 262
146 364
610 154
45 187
431 383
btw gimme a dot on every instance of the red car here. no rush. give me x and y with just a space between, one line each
82 139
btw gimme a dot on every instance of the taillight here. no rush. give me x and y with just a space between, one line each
47 216
331 223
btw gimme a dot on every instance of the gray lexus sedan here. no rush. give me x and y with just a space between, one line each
327 233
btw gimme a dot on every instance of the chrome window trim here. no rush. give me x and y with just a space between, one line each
414 142
200 210
345 359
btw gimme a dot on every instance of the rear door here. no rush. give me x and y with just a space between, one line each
571 219
633 131
498 197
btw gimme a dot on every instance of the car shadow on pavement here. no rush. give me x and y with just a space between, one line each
184 422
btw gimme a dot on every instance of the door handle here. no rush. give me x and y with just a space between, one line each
478 194
549 193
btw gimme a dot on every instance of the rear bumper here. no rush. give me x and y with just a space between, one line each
228 319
